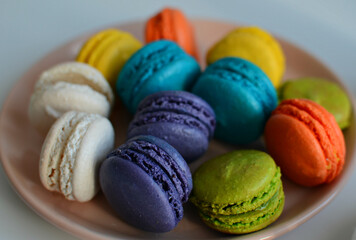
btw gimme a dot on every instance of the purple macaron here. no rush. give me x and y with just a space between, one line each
146 181
181 118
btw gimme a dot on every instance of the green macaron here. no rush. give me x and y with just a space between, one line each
238 192
326 93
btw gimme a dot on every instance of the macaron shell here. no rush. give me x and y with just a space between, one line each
50 103
312 125
255 45
234 177
92 43
97 142
102 46
115 56
159 66
327 94
171 24
76 73
142 204
293 145
189 142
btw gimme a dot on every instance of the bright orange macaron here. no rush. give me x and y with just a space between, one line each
306 142
171 24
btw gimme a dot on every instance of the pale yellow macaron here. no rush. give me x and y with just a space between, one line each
254 45
108 51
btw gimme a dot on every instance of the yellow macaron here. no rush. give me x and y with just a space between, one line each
254 45
108 51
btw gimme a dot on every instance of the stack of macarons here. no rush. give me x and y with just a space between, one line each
176 111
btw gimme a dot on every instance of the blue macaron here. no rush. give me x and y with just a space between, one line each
146 181
183 119
159 66
242 97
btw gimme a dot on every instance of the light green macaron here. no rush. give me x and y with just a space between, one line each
238 192
326 93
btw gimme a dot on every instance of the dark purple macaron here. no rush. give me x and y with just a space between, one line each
146 181
181 118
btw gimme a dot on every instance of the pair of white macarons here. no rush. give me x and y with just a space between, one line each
71 103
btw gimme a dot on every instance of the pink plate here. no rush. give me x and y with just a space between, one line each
20 146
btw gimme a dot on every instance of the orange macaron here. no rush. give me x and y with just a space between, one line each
171 24
306 142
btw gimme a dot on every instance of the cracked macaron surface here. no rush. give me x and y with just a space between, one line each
238 192
306 142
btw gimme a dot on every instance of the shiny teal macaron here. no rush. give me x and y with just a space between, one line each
238 192
158 66
242 97
326 93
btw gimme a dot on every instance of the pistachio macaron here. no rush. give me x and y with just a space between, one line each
322 91
238 192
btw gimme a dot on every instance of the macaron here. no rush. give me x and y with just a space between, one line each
65 87
181 118
146 181
107 51
241 96
159 66
253 44
306 142
326 93
71 154
238 192
171 24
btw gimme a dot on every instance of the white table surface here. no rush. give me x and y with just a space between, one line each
31 29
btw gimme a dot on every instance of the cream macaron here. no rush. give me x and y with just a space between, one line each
65 87
72 152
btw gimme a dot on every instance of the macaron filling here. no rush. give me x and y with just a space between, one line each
248 221
69 156
57 151
321 130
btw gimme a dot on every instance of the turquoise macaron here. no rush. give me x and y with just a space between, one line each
158 66
242 97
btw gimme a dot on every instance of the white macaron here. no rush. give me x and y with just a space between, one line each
66 87
71 154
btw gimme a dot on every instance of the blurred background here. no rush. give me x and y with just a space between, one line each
31 29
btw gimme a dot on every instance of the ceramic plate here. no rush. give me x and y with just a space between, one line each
20 146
